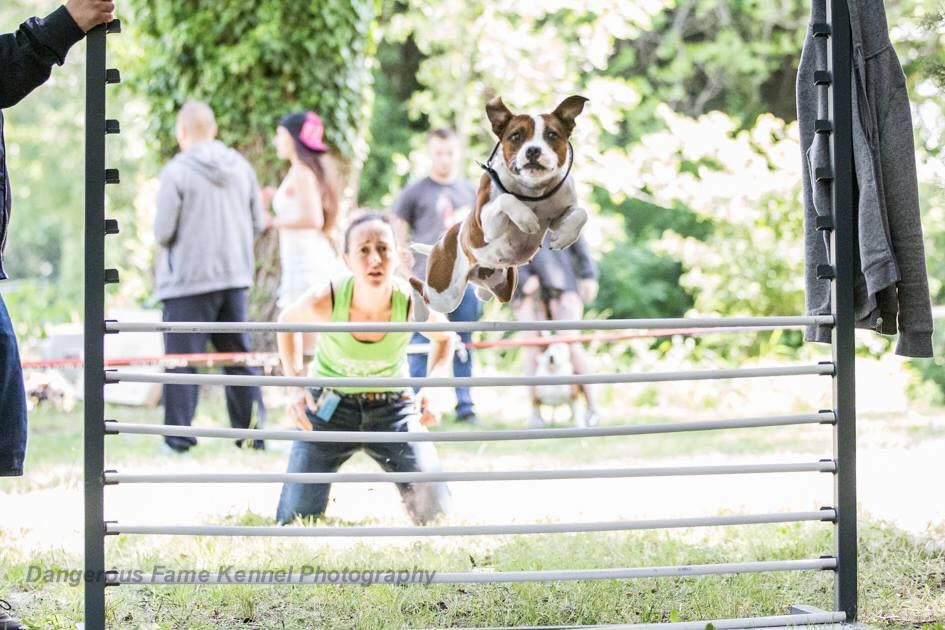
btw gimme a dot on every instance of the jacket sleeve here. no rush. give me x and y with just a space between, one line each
167 217
584 265
902 197
255 201
27 56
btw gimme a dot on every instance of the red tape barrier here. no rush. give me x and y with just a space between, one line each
213 359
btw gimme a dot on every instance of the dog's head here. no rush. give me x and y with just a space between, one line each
535 147
556 359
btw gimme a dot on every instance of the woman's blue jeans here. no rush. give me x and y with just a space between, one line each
423 501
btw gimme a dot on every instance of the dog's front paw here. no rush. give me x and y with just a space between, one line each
493 230
563 239
529 223
521 215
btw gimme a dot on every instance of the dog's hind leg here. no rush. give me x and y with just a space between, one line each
447 273
501 282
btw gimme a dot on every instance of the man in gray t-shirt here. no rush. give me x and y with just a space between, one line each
428 207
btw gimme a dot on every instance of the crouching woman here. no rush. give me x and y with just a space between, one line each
370 294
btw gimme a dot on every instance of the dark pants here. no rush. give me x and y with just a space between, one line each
469 310
12 401
180 401
424 501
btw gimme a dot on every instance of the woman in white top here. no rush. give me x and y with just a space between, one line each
306 206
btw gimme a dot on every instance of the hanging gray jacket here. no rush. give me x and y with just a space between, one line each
208 213
891 278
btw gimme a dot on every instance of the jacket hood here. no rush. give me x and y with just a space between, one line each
213 160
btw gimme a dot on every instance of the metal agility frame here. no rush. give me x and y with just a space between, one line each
836 120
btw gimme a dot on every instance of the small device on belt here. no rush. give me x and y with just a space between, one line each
326 404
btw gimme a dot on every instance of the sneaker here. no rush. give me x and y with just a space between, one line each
6 621
469 418
253 445
10 623
166 449
591 419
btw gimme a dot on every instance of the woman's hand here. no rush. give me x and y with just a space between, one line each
531 285
268 194
431 409
297 409
458 347
587 289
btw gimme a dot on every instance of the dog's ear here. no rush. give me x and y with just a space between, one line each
569 109
499 115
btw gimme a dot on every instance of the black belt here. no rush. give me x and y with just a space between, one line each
387 397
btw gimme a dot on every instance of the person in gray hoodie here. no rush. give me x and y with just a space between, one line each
891 280
209 211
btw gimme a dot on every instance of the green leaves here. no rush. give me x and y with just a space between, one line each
253 62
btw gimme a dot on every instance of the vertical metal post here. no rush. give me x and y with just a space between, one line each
94 455
843 261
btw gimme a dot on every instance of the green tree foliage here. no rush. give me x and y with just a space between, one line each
255 61
716 55
392 129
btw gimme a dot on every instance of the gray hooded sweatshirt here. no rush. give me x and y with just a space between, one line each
891 278
208 213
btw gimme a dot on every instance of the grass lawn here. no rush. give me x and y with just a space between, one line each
902 574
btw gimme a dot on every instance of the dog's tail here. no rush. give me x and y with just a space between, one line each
420 287
422 248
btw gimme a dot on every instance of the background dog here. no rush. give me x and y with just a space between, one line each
527 190
555 360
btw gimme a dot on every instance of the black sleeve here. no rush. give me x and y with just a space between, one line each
27 56
584 264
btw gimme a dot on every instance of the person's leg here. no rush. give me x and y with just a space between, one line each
180 401
469 310
13 427
570 307
418 361
240 401
423 501
311 499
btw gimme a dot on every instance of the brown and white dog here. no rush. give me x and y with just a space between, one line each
527 192
555 360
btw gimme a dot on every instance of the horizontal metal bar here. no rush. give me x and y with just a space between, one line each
480 326
393 437
469 530
121 376
483 577
799 620
472 475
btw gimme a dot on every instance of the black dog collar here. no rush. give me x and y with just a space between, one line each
494 176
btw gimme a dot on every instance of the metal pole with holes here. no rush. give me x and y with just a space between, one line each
843 261
96 276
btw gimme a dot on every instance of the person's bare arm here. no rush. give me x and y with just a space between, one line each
314 306
311 214
442 347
